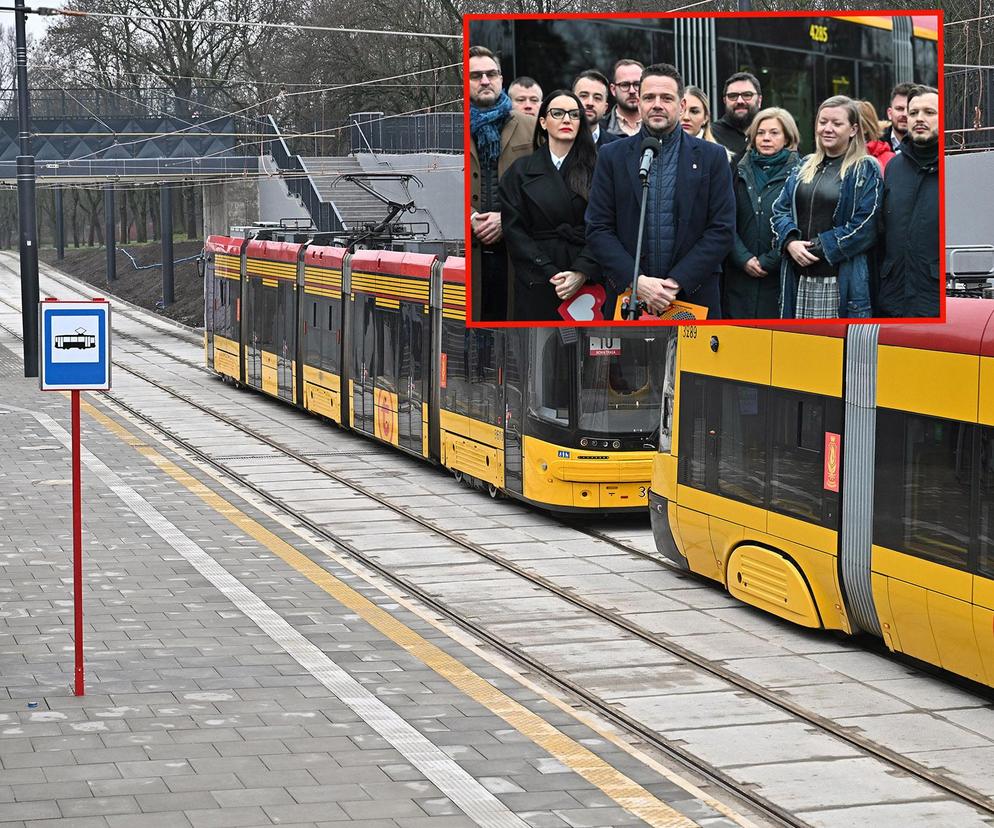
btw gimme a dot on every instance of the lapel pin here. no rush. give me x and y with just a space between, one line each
695 166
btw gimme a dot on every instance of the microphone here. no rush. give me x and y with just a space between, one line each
650 149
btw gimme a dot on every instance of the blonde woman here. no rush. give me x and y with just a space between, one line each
824 221
695 119
751 287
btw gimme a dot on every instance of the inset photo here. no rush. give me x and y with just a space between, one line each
630 169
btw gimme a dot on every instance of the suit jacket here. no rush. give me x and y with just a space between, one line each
704 210
515 143
544 231
606 137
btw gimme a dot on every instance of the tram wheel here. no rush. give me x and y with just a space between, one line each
493 491
458 475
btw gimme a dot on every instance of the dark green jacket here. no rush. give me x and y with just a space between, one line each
745 297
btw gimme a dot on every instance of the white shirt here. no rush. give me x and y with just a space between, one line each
596 133
556 159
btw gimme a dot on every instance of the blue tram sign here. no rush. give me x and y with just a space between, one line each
75 346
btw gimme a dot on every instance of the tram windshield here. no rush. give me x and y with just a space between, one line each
621 378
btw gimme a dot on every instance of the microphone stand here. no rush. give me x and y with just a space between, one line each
636 305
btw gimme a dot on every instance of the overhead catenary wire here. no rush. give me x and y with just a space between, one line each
68 164
252 24
279 97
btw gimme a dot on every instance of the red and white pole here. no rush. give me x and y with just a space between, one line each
77 544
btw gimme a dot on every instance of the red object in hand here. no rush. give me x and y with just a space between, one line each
584 305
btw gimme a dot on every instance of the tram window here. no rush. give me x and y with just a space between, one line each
387 324
331 316
742 443
455 395
797 477
483 375
693 428
549 387
922 488
985 525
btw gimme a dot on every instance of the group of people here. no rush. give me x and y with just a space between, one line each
737 221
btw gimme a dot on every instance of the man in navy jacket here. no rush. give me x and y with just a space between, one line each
690 215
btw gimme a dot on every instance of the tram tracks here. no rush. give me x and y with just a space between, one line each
948 786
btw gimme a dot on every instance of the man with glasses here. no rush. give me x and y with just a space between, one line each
591 87
743 99
498 137
690 206
624 118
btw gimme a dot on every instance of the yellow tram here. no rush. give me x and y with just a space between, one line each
376 341
840 476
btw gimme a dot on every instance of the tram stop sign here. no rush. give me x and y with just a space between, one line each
75 345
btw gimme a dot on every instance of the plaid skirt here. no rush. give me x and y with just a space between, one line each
817 297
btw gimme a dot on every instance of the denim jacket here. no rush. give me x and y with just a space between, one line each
846 244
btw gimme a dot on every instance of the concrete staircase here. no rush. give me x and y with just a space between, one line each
355 206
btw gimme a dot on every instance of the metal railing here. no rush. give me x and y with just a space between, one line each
376 132
124 102
972 279
299 183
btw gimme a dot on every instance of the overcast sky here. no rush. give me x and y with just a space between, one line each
37 23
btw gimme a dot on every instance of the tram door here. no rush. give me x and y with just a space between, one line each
256 329
363 362
286 338
515 346
212 307
411 376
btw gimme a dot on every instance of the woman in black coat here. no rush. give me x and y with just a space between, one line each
543 198
752 271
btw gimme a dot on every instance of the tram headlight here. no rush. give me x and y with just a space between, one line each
583 442
616 444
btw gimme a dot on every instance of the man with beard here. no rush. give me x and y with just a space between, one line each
743 99
690 205
898 114
591 87
499 136
909 275
624 118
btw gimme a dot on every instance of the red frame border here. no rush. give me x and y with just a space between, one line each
793 323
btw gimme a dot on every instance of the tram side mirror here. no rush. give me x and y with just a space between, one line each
714 344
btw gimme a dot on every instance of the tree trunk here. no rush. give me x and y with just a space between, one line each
74 218
142 223
124 235
191 213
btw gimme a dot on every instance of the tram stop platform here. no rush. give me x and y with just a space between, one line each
238 675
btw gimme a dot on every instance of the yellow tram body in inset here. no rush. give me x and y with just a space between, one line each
840 476
376 341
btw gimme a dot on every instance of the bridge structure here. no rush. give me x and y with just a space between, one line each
116 141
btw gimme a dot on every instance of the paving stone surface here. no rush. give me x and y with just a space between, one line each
193 714
174 660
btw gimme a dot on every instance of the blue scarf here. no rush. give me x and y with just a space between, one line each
485 126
